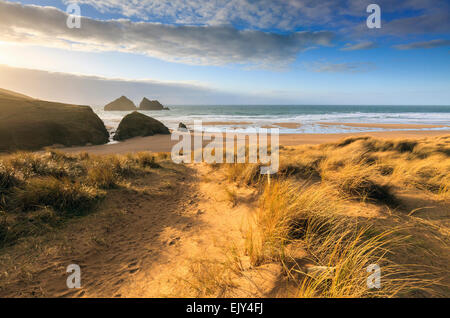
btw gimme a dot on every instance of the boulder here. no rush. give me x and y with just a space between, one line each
182 126
147 104
120 104
137 124
31 124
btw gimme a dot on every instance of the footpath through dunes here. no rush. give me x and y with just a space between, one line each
204 257
221 230
170 233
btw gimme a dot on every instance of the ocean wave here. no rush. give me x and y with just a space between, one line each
261 116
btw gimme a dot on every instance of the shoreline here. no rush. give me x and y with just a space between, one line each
384 126
163 143
289 125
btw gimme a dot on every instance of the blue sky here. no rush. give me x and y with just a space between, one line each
228 52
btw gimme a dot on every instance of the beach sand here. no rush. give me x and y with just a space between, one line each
384 126
163 143
288 125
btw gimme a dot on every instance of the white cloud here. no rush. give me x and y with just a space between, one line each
424 45
434 22
359 46
326 67
201 45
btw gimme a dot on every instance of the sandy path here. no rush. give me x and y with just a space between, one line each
198 263
153 240
126 235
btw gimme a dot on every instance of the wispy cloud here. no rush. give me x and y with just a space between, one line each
326 67
434 22
423 45
200 45
95 90
359 46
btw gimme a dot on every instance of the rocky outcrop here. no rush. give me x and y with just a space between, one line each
137 124
147 104
120 104
30 124
182 127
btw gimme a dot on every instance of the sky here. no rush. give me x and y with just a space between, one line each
228 52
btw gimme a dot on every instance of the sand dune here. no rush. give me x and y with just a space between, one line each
201 230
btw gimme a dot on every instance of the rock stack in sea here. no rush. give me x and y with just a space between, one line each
147 104
120 104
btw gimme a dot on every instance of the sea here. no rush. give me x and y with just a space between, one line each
308 116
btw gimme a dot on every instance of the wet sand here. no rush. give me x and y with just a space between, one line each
288 125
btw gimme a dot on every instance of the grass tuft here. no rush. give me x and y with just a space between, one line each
61 194
38 191
102 175
358 181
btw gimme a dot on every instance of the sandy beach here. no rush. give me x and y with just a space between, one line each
163 143
384 126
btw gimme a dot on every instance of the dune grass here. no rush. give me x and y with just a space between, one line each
339 250
306 206
61 194
38 191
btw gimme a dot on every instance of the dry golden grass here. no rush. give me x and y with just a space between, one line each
423 164
374 164
306 205
231 196
359 181
245 174
313 219
39 190
207 279
61 194
283 214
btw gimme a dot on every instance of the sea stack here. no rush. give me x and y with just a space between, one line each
137 124
120 104
147 104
